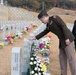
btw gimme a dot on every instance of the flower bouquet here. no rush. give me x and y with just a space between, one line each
6 27
27 28
1 29
1 45
46 53
19 35
12 36
44 46
36 66
8 40
24 31
33 25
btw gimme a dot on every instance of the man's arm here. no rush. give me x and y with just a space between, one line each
42 34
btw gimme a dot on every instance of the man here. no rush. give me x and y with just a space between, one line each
56 25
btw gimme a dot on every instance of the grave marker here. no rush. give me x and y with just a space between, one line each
16 61
27 50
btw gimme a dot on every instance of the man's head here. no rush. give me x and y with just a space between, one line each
43 16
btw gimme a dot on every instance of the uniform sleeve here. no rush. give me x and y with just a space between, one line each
42 34
62 25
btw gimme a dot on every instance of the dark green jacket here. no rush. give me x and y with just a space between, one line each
57 26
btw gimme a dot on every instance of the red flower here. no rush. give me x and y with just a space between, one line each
8 37
49 36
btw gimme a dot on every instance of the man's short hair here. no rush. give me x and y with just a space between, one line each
42 13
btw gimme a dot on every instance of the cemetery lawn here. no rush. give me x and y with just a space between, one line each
5 55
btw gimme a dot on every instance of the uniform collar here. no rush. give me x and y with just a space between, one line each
50 21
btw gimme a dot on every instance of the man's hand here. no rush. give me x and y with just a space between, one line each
67 42
31 38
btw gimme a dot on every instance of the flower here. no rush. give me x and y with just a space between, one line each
36 68
44 68
31 63
49 35
41 45
32 72
33 25
46 40
24 31
6 27
11 27
46 63
12 36
32 58
48 53
8 37
1 29
2 44
28 28
35 62
19 35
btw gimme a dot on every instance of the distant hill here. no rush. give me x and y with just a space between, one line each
69 16
60 11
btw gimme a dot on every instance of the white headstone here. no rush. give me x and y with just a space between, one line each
27 49
16 61
9 30
4 32
2 2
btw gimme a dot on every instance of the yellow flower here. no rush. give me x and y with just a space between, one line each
1 44
6 26
44 68
12 35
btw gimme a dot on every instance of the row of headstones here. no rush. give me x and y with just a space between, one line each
13 27
8 28
17 67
